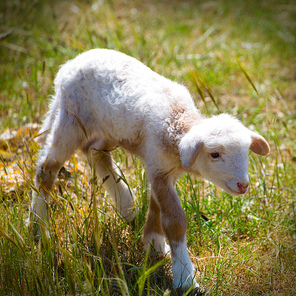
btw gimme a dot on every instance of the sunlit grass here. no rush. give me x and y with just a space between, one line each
236 57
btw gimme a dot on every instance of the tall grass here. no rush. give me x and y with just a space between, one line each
234 57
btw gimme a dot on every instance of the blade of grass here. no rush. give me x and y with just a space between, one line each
94 209
146 273
79 122
120 279
207 88
247 76
194 79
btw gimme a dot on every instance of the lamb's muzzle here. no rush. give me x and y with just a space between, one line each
243 188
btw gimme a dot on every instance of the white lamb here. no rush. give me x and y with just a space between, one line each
105 99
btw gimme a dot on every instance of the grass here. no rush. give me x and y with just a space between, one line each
236 57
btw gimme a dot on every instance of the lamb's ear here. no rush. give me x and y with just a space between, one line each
190 146
259 144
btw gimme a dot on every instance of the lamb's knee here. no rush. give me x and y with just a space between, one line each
46 174
122 197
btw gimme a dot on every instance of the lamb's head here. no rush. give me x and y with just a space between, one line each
217 149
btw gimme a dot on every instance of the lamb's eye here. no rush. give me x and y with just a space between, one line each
215 155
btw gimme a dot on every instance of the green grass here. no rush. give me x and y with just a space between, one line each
234 56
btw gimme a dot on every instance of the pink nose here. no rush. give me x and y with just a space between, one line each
242 188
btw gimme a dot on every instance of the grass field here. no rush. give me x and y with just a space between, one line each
237 57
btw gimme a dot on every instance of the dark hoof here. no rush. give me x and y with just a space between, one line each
200 291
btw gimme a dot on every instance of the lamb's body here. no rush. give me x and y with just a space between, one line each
105 99
119 99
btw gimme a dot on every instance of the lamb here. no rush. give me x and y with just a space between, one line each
104 99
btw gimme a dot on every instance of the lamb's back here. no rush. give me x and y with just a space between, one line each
117 93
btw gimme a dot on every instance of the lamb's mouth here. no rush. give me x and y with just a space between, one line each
232 191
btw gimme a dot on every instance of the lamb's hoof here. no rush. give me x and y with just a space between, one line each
132 222
199 291
130 216
37 230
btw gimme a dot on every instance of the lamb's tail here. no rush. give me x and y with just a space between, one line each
48 121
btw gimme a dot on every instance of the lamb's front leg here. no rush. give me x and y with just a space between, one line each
174 225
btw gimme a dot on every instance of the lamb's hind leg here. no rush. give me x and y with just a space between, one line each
59 146
153 234
112 178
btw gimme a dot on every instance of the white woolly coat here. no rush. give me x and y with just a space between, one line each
115 97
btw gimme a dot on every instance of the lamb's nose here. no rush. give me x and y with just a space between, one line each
242 187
